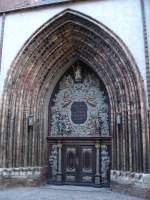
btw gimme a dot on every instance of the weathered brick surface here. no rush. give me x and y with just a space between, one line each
135 184
14 182
27 176
41 63
129 189
12 4
6 5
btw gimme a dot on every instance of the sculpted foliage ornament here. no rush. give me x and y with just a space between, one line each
53 157
79 107
105 162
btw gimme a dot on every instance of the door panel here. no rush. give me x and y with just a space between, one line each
69 164
70 160
87 164
86 160
78 163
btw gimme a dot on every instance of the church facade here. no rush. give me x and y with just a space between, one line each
75 94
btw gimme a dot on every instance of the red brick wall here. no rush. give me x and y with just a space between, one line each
131 190
11 4
6 5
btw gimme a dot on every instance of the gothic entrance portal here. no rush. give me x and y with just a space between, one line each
79 138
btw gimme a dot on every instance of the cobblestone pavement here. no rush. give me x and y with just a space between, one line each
62 193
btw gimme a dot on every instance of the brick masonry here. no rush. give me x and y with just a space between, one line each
42 61
146 46
32 77
23 176
11 5
133 183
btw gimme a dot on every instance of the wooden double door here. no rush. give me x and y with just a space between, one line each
78 164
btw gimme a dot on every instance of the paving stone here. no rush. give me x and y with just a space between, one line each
50 192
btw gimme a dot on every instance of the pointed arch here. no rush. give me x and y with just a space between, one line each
48 53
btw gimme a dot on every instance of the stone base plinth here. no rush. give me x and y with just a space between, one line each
97 179
135 184
23 176
59 177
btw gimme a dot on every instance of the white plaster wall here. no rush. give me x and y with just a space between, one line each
121 16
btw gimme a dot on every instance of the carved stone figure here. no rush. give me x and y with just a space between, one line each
68 127
60 125
77 73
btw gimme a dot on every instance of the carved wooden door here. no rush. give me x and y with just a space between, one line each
78 164
70 156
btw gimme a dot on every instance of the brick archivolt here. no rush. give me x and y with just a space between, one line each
68 37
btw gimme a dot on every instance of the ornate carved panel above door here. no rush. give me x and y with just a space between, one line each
79 105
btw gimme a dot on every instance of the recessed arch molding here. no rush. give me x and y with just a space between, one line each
48 53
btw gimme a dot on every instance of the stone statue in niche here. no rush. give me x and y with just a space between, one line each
68 127
77 73
97 125
60 124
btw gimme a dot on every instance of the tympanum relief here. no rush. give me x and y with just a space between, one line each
79 107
